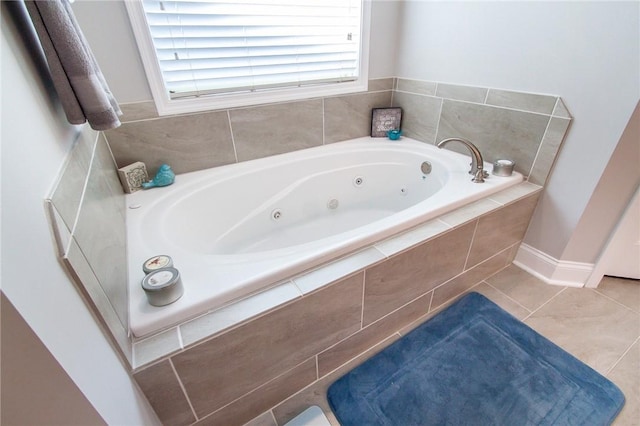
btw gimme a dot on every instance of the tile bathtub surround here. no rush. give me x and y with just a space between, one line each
187 143
88 218
240 373
275 129
524 127
410 274
497 132
198 141
262 350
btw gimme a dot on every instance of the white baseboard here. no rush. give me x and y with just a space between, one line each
551 270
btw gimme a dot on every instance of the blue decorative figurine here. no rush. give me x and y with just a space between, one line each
164 177
394 135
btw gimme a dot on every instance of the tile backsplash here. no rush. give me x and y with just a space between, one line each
523 127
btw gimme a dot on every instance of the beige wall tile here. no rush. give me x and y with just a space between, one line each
89 285
501 229
499 133
417 87
462 93
187 142
549 149
155 347
469 278
419 115
514 193
100 230
68 193
216 321
371 335
469 212
413 273
316 394
222 369
417 235
561 110
161 387
334 271
349 116
275 129
543 104
61 232
381 84
263 398
138 111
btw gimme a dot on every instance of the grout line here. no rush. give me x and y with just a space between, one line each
260 388
555 106
233 140
364 280
393 92
544 304
433 290
184 391
180 342
622 356
544 135
273 416
615 301
84 190
481 104
323 123
317 366
506 295
473 237
435 134
486 96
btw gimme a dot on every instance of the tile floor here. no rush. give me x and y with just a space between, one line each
599 326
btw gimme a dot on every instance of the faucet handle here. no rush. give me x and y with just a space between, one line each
479 176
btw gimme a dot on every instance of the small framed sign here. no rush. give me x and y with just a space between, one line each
383 120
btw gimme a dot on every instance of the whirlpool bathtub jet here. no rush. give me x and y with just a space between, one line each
237 229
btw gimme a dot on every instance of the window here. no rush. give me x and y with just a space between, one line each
207 54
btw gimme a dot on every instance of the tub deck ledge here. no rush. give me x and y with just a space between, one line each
152 348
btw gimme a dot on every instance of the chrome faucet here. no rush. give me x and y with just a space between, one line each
477 164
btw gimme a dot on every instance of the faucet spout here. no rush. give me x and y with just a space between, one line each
477 164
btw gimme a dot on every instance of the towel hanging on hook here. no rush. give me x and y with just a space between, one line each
82 89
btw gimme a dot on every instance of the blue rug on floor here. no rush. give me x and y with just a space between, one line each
474 364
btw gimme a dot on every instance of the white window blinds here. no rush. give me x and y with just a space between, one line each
211 46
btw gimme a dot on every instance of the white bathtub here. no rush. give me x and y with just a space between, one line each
237 229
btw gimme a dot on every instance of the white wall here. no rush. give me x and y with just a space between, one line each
35 142
586 52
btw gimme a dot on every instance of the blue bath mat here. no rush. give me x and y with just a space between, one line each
474 364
